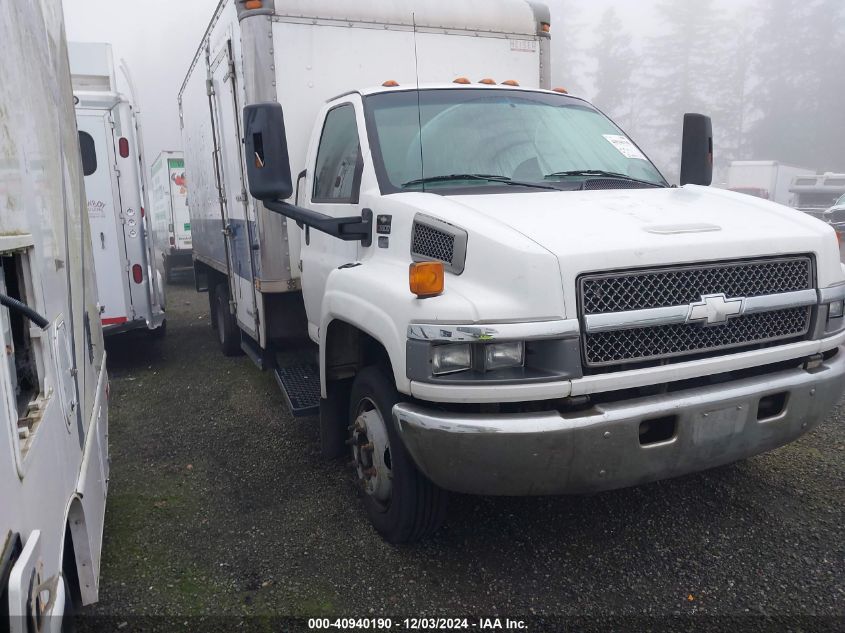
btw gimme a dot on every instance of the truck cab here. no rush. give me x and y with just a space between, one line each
532 309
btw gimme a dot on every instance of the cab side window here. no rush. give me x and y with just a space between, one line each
337 176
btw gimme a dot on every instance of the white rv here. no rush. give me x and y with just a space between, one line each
507 296
767 179
54 466
816 193
170 217
129 286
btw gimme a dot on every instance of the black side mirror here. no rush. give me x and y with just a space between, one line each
266 145
697 150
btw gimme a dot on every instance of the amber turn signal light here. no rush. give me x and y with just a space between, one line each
426 279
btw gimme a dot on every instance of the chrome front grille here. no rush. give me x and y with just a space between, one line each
637 290
643 294
668 341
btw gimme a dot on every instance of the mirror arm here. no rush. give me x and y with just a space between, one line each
350 229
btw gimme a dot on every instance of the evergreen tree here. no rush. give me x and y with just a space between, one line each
684 74
616 66
799 99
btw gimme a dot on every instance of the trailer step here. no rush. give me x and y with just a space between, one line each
301 385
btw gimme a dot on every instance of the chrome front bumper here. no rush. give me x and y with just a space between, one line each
599 449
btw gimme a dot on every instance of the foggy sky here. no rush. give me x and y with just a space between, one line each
158 39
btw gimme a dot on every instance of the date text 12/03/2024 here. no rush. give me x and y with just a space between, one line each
417 624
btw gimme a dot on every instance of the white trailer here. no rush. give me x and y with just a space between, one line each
171 219
767 179
54 465
506 295
129 286
816 193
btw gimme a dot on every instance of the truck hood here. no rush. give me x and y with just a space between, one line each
605 230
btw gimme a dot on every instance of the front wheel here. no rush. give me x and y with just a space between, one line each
402 504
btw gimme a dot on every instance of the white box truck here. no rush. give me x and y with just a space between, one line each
171 219
767 179
54 464
129 286
506 295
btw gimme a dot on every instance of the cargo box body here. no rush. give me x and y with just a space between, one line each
171 221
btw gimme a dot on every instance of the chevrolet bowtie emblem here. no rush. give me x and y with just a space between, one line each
714 309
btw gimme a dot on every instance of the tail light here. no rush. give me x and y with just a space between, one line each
142 212
137 273
172 241
123 147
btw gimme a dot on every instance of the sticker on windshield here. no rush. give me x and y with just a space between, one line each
624 145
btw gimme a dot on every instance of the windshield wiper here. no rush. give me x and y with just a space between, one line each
601 172
484 177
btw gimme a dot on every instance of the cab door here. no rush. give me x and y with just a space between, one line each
333 184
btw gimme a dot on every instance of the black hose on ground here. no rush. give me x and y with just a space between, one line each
29 313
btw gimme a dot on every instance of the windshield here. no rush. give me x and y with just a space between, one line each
478 138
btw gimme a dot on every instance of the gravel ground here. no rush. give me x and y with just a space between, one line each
221 505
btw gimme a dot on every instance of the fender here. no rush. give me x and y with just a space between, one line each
367 317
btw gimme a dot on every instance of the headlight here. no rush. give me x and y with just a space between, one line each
836 309
447 359
501 355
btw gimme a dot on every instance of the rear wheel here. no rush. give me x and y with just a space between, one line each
228 332
168 270
402 504
160 331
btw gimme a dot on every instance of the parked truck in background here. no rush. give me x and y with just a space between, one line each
130 291
54 465
816 193
171 220
507 297
767 179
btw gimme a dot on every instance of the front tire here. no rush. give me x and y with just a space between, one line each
402 504
228 332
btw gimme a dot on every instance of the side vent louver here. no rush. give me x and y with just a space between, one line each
433 239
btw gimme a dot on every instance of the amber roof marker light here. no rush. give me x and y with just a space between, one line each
390 83
510 82
487 81
461 80
562 91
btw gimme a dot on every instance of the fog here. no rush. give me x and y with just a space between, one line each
771 73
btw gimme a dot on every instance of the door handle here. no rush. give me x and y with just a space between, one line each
102 240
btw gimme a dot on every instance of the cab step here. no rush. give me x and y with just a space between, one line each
300 383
